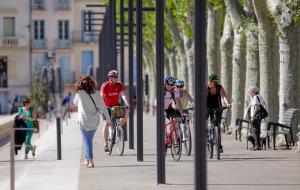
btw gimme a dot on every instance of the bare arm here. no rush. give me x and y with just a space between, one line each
33 118
190 98
223 94
178 104
125 98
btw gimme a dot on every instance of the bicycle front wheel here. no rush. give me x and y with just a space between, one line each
119 140
176 146
217 141
187 139
210 144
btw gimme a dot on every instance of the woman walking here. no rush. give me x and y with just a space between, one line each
89 104
255 101
29 116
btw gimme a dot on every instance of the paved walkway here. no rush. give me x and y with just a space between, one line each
239 168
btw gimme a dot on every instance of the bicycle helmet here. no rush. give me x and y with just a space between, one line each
179 83
214 78
169 80
113 73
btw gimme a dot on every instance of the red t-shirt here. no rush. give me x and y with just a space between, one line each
111 92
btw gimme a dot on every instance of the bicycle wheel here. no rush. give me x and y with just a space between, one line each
210 144
119 140
217 141
186 139
111 140
176 145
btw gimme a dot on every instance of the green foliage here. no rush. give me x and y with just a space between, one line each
217 4
39 92
294 5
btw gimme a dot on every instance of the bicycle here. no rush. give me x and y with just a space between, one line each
185 131
173 138
214 133
116 133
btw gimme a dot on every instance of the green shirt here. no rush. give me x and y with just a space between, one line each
29 113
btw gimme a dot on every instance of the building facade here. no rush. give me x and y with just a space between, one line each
47 33
14 50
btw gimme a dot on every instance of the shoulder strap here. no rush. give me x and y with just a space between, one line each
93 101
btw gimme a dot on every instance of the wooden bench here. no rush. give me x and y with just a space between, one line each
285 129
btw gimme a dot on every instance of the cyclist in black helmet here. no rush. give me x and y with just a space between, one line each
215 94
171 97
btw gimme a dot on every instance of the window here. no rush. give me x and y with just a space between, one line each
39 4
40 63
3 72
63 4
64 63
9 26
63 29
39 29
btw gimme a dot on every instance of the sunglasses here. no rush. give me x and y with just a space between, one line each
115 77
179 86
170 84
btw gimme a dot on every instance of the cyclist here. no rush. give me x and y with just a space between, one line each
215 93
185 96
111 91
66 103
171 96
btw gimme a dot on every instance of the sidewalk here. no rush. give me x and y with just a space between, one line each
238 169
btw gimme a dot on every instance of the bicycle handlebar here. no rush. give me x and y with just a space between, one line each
217 109
188 109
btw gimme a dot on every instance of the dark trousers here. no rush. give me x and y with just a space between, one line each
255 132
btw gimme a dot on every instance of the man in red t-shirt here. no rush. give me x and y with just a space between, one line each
111 91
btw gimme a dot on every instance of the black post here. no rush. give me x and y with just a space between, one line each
139 81
58 135
130 62
112 17
122 39
160 118
200 105
58 92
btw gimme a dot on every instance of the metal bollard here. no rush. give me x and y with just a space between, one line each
58 133
12 155
12 159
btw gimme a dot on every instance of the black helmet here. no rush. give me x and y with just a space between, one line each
170 80
214 78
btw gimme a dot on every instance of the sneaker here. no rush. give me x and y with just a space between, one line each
106 149
221 148
33 150
25 157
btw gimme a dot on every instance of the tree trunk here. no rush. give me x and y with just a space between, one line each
268 59
238 74
238 61
214 21
189 49
288 64
172 64
252 53
179 44
226 44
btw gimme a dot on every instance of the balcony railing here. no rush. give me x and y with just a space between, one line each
39 5
12 42
63 44
39 44
81 37
63 5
